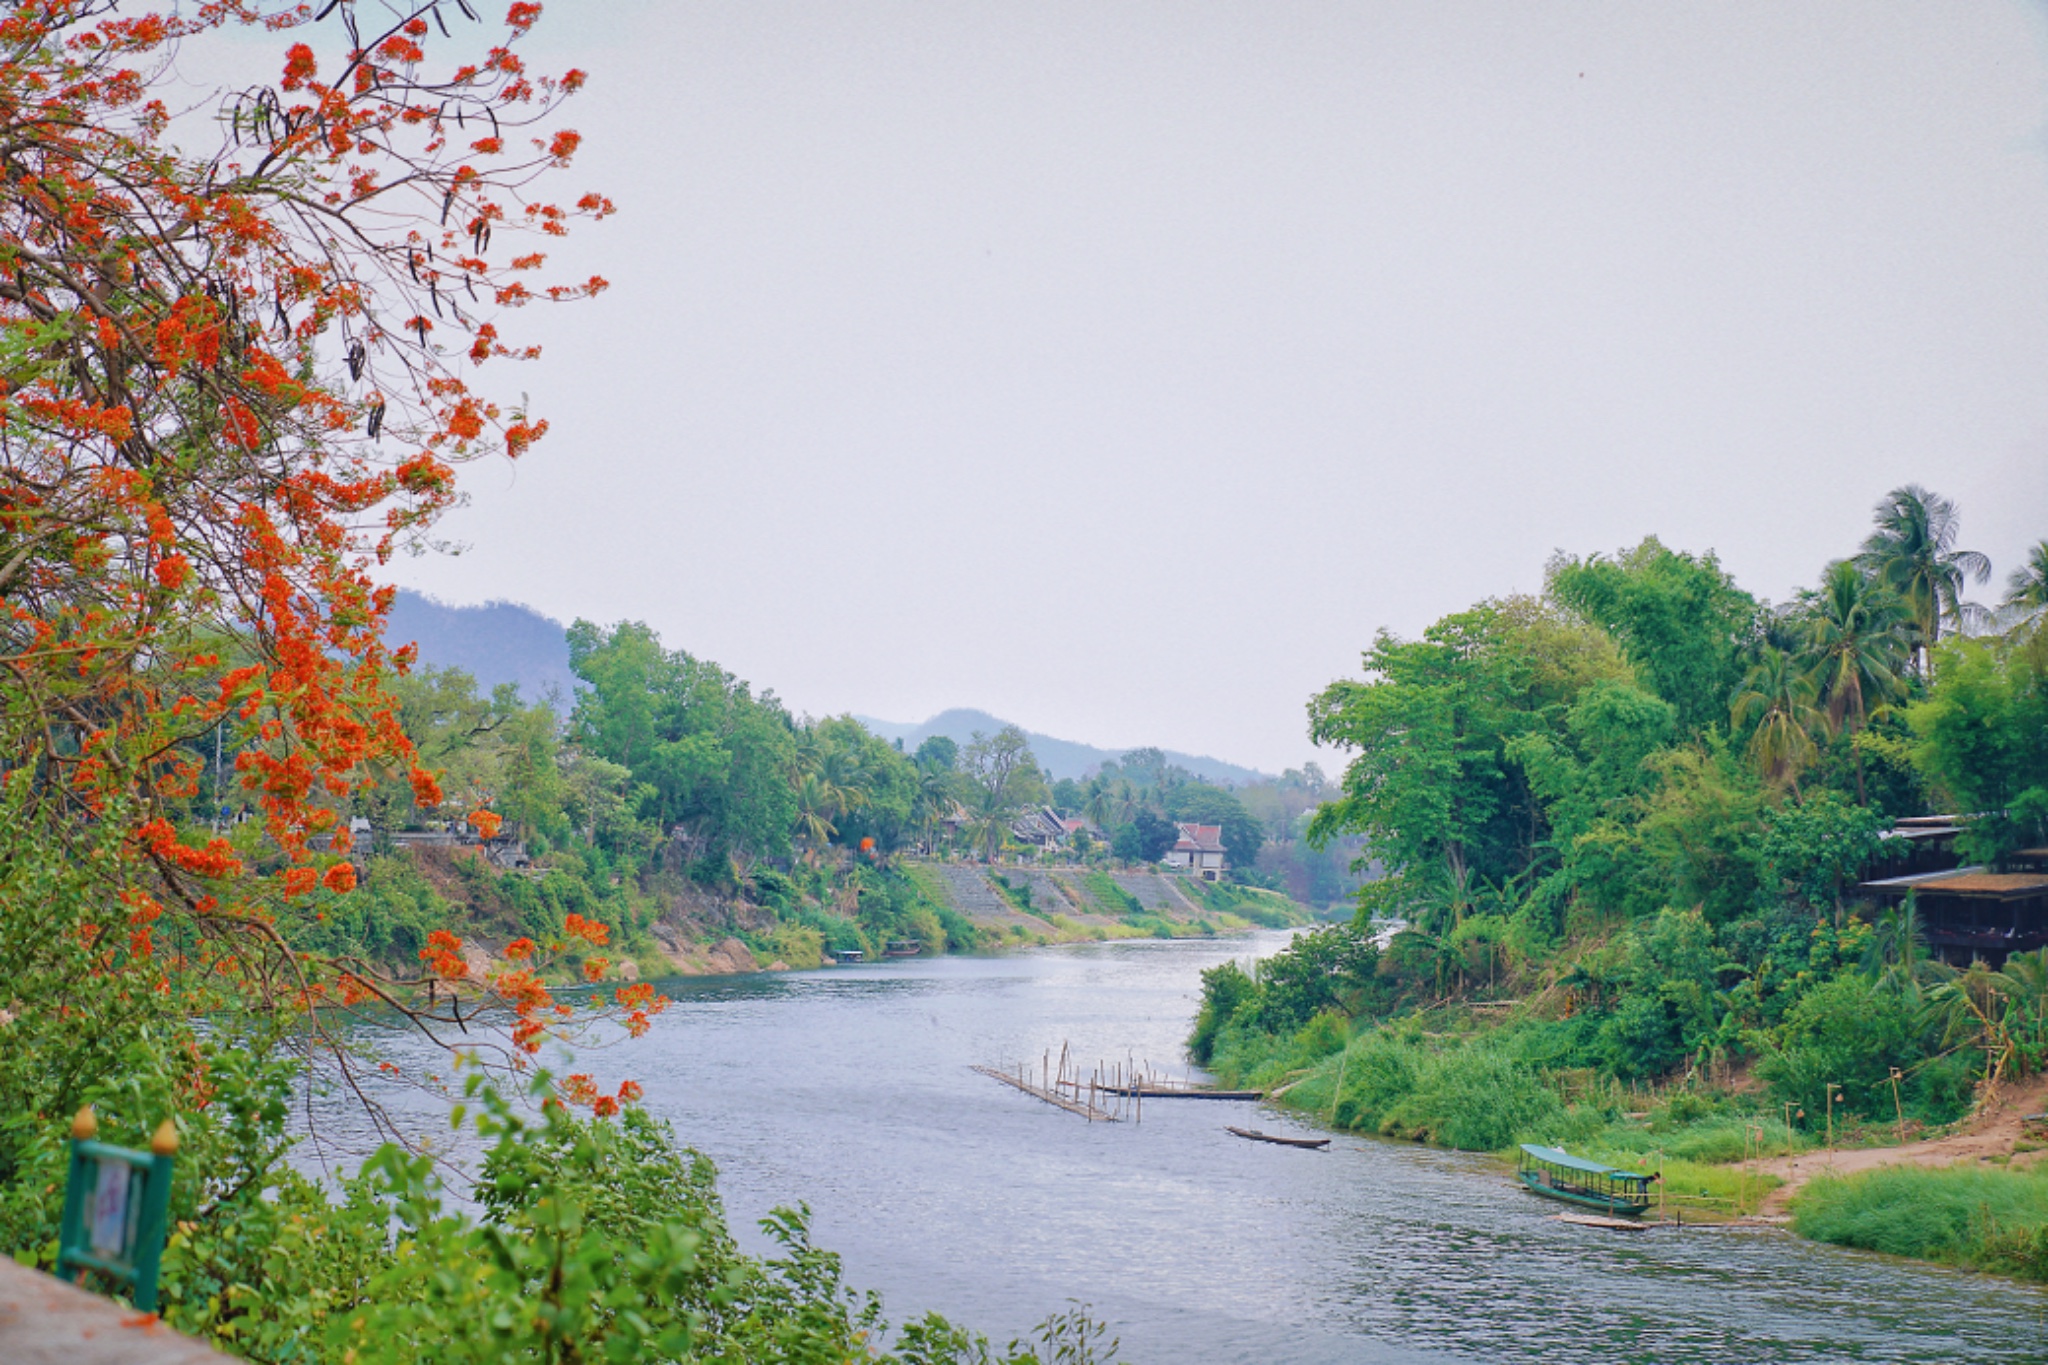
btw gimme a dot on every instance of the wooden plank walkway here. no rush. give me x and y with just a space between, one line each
1085 1110
1592 1220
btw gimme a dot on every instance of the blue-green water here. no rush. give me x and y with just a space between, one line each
851 1089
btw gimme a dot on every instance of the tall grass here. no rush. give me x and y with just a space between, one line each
1985 1218
1489 1091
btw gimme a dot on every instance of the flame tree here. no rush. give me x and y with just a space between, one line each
239 350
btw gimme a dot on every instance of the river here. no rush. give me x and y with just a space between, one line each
850 1089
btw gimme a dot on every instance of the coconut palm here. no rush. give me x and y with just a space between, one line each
2026 597
933 802
1896 956
1913 552
1974 1005
1126 803
1778 697
1101 803
814 803
1853 641
990 827
2027 974
845 781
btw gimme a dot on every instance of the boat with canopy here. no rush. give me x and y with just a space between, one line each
1557 1174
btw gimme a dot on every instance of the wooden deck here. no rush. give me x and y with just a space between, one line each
1594 1220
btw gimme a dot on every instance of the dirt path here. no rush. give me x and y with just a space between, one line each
1992 1133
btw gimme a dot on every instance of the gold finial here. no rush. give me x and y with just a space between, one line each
85 1125
164 1142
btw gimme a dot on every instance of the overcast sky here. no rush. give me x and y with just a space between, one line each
1121 368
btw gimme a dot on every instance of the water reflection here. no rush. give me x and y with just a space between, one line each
850 1089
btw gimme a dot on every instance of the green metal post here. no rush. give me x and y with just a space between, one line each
137 1255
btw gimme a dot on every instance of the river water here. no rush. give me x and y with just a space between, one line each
851 1089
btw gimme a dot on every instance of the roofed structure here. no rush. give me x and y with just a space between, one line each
1200 850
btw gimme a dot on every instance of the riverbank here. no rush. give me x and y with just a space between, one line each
1975 1196
806 918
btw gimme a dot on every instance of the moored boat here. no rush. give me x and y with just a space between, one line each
1315 1144
1557 1174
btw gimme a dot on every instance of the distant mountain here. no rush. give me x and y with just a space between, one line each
501 642
1058 757
498 642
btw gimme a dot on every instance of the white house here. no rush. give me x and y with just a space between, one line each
1199 850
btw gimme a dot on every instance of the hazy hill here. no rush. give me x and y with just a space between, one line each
1059 757
498 642
502 642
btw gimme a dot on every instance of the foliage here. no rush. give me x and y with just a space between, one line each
1987 1219
1679 619
1981 735
1198 803
1912 551
1145 838
714 762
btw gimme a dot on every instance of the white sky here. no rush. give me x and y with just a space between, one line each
1120 368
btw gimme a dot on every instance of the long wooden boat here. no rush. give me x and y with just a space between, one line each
1557 1174
1256 1136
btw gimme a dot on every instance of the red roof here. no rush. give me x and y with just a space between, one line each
1200 839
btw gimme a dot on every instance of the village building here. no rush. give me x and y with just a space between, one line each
1198 850
1041 827
1966 911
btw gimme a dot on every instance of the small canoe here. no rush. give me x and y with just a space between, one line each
1256 1136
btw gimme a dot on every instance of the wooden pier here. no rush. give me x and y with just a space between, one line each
1112 1091
1167 1090
1087 1111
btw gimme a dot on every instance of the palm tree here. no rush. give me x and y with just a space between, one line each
991 827
1779 698
1974 1005
2027 974
813 822
933 802
1896 956
2026 596
1100 804
844 780
1852 636
1913 552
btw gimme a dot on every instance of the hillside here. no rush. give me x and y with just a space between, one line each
1059 757
498 642
501 642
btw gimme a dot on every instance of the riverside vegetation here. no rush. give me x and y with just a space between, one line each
234 379
1622 825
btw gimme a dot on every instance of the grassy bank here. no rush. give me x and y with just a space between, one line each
1487 1090
1981 1218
